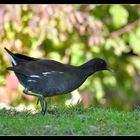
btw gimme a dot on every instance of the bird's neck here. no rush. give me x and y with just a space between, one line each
88 69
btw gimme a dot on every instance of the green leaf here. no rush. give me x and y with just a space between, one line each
77 54
134 42
119 15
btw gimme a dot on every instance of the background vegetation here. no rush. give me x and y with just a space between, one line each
74 34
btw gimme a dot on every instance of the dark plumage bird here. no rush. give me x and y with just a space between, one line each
45 78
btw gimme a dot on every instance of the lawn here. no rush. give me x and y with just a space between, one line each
70 121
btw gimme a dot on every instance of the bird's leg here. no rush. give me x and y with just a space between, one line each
43 104
41 99
37 101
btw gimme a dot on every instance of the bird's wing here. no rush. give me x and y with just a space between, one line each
40 68
46 66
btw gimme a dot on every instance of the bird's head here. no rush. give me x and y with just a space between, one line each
94 65
100 64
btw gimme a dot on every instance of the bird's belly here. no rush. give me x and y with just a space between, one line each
57 89
61 86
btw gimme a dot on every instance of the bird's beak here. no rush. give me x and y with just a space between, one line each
108 68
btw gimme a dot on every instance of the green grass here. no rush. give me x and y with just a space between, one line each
70 121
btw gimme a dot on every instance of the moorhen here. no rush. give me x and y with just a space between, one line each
45 77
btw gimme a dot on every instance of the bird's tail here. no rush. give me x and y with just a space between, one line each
10 68
11 56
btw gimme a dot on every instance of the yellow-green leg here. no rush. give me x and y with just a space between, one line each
41 99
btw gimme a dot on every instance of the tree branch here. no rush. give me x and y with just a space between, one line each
125 29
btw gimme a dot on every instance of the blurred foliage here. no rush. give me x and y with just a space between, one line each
74 34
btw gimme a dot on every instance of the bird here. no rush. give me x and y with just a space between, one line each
46 77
